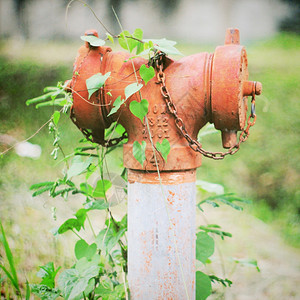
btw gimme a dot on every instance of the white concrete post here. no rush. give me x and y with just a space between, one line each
161 235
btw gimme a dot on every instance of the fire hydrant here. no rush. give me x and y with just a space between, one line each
185 95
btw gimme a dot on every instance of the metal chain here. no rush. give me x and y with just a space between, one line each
194 144
89 136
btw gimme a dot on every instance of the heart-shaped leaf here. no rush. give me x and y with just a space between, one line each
95 82
165 46
203 286
205 246
78 166
117 104
55 117
93 40
164 148
139 109
101 188
139 151
124 41
83 249
147 73
128 41
132 89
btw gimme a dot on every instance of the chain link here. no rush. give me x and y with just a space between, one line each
89 136
194 144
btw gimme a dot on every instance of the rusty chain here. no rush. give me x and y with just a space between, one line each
194 144
89 136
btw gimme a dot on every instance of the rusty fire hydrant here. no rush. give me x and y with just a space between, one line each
186 94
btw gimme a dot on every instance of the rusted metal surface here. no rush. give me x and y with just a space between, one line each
168 178
161 243
204 87
183 97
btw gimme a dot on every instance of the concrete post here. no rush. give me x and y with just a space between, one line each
161 235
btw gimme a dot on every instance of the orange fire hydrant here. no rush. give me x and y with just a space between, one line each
183 97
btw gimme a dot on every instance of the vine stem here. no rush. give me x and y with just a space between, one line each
29 138
92 229
124 281
85 4
218 249
108 209
76 234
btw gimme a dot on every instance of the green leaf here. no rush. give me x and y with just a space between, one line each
41 191
107 284
70 224
93 40
81 216
227 199
87 189
203 286
95 82
107 239
247 262
211 229
83 249
107 294
10 277
101 188
41 184
139 151
96 205
73 282
44 292
39 99
78 166
9 256
210 187
205 246
132 89
117 104
165 46
164 148
48 274
90 287
139 109
73 223
123 40
138 33
225 282
28 291
110 37
55 117
147 73
126 41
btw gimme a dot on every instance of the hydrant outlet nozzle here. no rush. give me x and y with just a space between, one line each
251 87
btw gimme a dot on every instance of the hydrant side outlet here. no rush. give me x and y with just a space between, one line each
204 87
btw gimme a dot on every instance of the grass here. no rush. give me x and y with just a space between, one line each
266 169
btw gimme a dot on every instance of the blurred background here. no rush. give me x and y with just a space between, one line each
38 44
